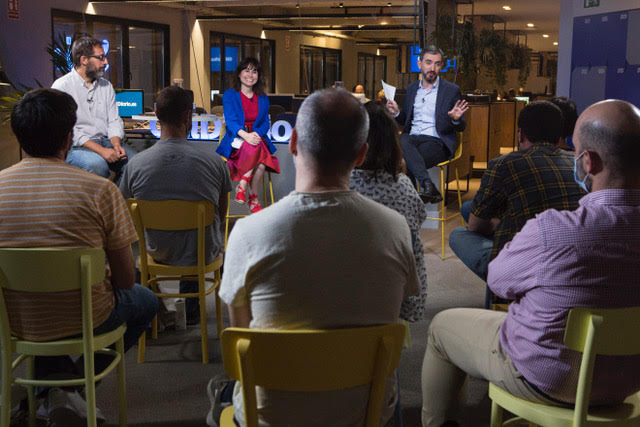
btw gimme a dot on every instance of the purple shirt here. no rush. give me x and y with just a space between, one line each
589 257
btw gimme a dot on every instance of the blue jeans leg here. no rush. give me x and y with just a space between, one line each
473 249
94 163
465 211
136 306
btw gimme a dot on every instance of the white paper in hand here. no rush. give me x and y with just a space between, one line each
389 91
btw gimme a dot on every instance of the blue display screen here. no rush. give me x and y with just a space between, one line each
415 56
230 61
130 102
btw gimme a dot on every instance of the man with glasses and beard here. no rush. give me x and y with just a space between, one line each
98 133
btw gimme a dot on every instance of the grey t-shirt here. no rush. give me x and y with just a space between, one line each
176 169
323 260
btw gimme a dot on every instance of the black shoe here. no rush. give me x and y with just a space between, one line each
429 193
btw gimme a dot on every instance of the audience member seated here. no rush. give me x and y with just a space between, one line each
358 91
559 260
569 117
99 131
433 113
246 143
59 205
322 257
516 187
380 178
176 169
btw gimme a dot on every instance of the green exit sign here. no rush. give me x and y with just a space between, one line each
591 3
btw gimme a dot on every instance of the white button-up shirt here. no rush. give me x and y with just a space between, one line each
97 111
424 110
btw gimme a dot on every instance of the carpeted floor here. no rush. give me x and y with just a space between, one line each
169 388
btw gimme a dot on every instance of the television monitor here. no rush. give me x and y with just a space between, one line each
414 57
130 102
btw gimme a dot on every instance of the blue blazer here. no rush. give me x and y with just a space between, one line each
448 94
234 120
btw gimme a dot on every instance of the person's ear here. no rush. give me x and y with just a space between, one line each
520 136
362 155
592 162
293 143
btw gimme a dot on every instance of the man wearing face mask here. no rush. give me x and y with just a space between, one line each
516 187
177 169
98 133
559 260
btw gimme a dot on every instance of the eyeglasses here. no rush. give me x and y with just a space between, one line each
102 57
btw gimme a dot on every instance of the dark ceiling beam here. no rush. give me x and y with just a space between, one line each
302 16
342 28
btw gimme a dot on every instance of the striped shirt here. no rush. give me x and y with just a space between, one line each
563 259
519 185
44 202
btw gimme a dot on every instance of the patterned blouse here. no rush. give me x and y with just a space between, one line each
402 197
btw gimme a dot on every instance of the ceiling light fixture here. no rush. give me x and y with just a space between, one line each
298 5
530 25
360 26
546 36
383 23
389 4
555 43
340 4
506 7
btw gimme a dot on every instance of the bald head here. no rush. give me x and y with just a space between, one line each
331 129
611 128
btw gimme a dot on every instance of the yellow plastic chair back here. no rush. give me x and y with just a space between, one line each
590 331
312 360
177 215
57 270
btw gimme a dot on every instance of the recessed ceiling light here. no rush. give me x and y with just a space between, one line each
506 7
389 4
341 5
546 36
530 24
360 26
555 43
383 23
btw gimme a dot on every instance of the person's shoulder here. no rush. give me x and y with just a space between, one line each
229 93
62 82
447 84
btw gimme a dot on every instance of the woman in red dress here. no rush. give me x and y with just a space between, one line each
246 143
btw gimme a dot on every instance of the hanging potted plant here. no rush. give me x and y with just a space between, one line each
495 56
521 60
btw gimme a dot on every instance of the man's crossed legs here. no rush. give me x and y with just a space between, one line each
422 152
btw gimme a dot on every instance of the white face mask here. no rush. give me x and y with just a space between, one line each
584 182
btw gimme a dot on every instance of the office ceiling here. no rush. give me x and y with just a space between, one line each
378 21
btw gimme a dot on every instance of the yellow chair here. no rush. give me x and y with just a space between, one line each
57 270
443 213
591 332
174 215
311 360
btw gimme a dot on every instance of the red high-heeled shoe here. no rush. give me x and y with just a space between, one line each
241 192
254 204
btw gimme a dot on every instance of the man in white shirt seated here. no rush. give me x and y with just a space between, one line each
98 133
322 257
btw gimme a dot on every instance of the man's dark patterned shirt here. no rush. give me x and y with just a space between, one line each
519 185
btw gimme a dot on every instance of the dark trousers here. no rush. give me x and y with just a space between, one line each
422 152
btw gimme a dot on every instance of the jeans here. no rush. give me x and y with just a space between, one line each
473 249
422 152
136 307
94 163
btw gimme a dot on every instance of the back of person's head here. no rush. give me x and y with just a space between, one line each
384 144
612 129
171 103
569 114
332 127
83 46
42 121
541 121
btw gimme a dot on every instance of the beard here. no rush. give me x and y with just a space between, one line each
94 73
430 77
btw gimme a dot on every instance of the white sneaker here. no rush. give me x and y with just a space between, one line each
214 390
67 409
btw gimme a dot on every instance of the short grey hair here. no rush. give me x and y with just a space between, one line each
332 126
433 50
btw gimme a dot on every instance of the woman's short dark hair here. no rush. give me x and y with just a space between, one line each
83 46
42 120
249 62
384 151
